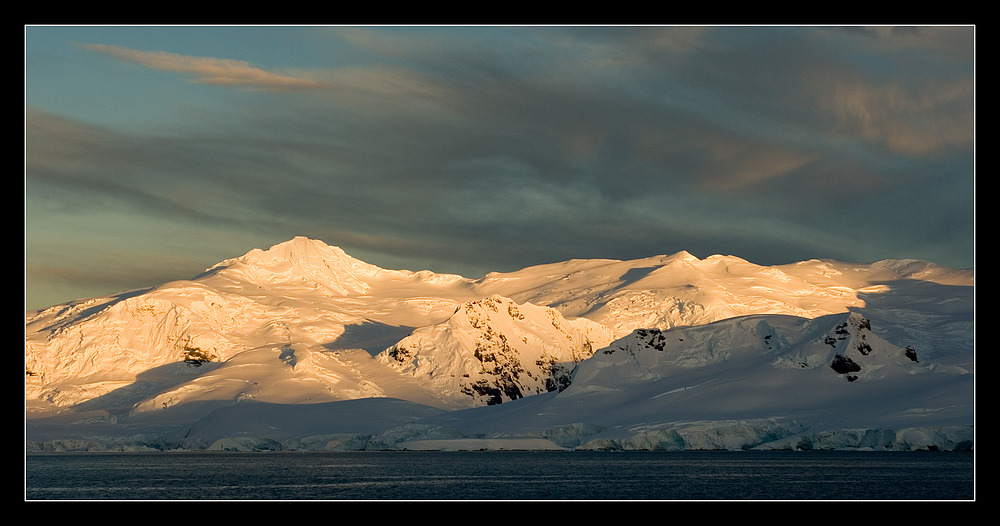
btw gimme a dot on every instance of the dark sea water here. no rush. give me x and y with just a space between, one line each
633 475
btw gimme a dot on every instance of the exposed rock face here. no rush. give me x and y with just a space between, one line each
494 350
844 365
850 348
299 324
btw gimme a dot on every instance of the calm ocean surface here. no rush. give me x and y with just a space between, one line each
635 475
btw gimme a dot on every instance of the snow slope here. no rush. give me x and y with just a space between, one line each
495 350
669 291
763 381
304 323
287 310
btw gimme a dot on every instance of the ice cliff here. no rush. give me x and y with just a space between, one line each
666 352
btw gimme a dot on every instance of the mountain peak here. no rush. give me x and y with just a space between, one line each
707 340
683 255
494 349
299 261
299 248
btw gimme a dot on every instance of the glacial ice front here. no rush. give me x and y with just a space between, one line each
303 347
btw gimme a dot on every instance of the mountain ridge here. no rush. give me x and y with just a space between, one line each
303 322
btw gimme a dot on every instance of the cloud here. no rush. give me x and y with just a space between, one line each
936 118
496 149
208 70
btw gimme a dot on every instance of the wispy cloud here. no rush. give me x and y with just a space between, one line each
479 149
920 123
209 70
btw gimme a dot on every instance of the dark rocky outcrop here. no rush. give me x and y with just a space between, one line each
843 365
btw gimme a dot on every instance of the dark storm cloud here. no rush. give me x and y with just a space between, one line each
86 167
521 146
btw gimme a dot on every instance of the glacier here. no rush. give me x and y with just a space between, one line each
303 347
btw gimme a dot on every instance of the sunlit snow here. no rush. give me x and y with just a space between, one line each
303 347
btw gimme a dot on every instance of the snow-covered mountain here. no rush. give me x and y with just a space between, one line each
761 381
495 350
303 324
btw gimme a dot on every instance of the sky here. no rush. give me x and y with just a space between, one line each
154 152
